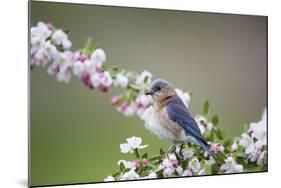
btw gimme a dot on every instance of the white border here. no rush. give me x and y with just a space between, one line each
13 93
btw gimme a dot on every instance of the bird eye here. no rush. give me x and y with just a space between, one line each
158 88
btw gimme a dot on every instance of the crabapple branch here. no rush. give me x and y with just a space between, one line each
51 47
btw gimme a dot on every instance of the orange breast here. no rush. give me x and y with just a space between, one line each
175 130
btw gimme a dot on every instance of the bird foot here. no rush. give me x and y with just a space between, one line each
172 149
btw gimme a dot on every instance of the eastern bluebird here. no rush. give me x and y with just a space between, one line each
171 116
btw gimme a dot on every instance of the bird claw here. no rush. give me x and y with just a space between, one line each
171 149
180 153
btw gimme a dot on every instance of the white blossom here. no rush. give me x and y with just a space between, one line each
234 147
66 44
201 122
262 158
135 142
129 111
127 164
130 175
109 178
106 79
53 68
95 79
202 172
121 81
172 157
167 163
51 50
185 97
255 139
152 175
187 154
36 43
132 144
144 76
259 129
60 38
179 170
194 165
98 57
41 30
65 63
247 142
230 166
210 126
187 173
78 68
125 148
168 172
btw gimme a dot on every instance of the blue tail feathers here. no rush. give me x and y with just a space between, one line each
205 146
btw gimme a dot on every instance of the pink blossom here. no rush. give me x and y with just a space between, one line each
145 162
250 131
103 88
86 80
143 100
82 58
136 164
53 69
123 106
217 148
50 26
115 100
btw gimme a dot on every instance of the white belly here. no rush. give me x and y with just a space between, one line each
165 128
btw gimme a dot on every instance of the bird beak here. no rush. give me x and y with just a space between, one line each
149 93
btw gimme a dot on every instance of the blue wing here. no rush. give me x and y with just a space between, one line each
178 113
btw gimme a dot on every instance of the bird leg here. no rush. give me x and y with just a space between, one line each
181 147
171 148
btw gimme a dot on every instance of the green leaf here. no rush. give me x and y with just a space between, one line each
162 151
122 167
228 143
116 173
104 67
89 47
114 69
220 157
206 107
212 136
148 168
137 154
245 128
126 170
146 79
134 87
184 164
215 120
144 156
67 31
160 172
240 155
157 157
60 48
219 134
214 168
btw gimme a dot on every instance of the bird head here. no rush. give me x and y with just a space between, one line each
160 90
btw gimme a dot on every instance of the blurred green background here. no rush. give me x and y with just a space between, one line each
75 132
